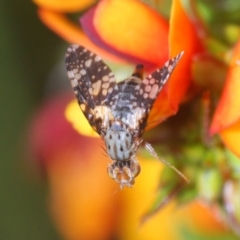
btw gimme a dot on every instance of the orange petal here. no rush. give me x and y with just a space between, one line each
81 193
64 6
160 110
140 32
202 218
228 109
71 32
231 137
182 37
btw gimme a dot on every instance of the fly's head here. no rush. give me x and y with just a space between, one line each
124 172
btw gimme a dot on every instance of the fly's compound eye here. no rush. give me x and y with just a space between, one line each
124 172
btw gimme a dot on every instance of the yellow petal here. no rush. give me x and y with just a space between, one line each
76 117
137 201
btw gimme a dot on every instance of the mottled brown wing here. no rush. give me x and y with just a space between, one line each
147 91
91 79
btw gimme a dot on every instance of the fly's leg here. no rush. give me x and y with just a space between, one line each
154 154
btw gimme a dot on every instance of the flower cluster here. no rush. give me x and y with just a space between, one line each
202 138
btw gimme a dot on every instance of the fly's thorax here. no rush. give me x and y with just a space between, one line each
124 172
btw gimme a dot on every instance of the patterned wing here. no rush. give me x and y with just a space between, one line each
152 85
92 81
146 92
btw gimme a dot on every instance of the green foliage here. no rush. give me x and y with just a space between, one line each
24 43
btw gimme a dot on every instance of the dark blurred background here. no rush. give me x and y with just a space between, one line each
28 53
